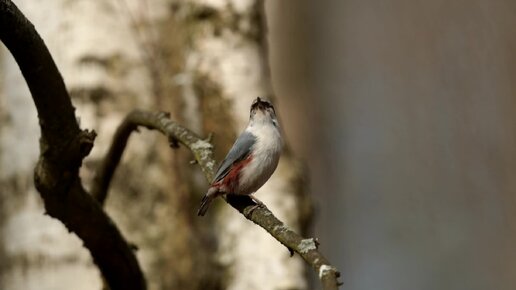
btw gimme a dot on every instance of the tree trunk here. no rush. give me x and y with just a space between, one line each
204 64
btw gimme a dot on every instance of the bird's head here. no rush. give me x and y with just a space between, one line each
262 112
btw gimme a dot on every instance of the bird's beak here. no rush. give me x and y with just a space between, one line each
260 105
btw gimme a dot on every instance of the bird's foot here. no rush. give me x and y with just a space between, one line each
258 204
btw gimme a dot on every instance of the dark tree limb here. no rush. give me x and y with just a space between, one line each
203 153
63 145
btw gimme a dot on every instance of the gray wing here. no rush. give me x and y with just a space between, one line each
238 152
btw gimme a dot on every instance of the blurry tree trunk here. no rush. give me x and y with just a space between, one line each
417 120
226 67
204 64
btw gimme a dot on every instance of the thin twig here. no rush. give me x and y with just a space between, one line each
203 153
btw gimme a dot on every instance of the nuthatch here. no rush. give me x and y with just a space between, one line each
252 159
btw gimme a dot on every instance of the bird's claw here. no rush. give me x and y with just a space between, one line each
258 204
257 201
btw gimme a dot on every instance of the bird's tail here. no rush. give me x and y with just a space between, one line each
205 203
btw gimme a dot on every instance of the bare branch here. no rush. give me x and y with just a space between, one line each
203 152
155 121
63 145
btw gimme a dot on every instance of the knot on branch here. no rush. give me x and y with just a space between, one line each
329 274
77 149
58 168
86 142
173 142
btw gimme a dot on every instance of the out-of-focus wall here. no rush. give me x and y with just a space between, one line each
405 112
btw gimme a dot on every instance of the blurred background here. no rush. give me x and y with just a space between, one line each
404 113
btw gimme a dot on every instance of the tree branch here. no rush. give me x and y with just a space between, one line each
203 152
63 145
154 121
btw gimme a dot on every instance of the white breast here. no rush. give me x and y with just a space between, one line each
266 153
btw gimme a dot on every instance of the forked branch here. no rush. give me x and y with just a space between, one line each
203 153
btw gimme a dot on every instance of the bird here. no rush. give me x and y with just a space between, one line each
252 159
